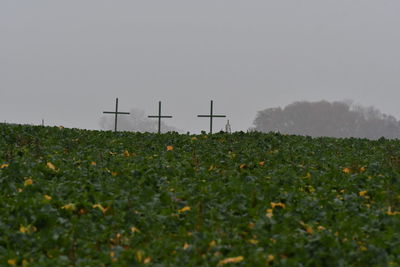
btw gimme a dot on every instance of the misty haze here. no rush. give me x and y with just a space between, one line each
136 121
200 133
66 64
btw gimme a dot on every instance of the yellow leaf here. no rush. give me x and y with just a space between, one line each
346 170
194 138
311 189
135 230
308 176
270 258
20 190
186 246
269 213
47 197
23 229
126 153
29 229
100 207
12 262
184 209
253 241
363 193
320 228
112 153
261 163
362 169
4 166
93 163
391 213
139 255
242 166
231 155
113 256
278 204
170 148
212 244
147 260
309 230
51 166
28 182
69 206
231 260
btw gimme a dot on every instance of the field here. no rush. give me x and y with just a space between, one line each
87 198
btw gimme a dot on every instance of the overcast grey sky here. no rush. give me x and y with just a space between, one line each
67 61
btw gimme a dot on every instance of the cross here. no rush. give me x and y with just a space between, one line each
211 116
116 114
159 117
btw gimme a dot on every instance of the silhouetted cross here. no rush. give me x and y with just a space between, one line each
159 117
211 116
116 114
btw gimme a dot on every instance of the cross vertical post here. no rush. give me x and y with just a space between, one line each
159 117
116 114
211 116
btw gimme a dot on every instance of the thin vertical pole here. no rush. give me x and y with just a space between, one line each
211 118
116 115
159 117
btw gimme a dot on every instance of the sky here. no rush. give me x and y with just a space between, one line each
67 61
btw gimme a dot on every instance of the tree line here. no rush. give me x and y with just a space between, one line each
336 119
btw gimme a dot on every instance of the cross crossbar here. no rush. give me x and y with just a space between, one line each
159 117
113 112
211 116
116 114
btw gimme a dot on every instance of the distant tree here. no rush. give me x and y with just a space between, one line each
337 119
137 121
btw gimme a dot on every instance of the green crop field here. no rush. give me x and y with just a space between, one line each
88 198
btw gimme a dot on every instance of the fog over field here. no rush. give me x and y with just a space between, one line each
67 61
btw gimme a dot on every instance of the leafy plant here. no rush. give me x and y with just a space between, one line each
76 197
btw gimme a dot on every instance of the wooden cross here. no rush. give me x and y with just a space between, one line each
211 116
159 117
116 114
